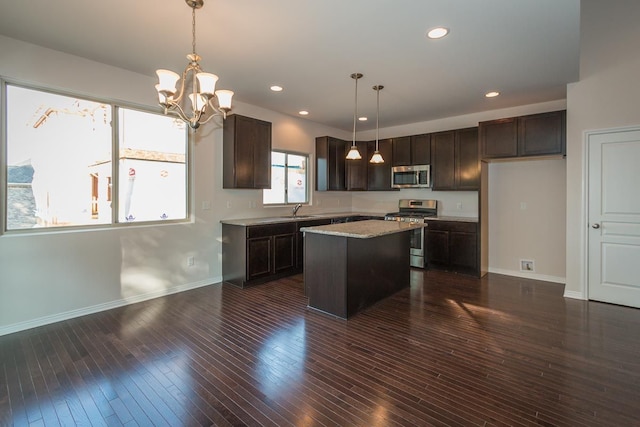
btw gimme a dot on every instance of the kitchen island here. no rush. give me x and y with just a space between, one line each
350 266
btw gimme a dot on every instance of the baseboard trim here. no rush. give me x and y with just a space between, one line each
535 276
574 295
46 320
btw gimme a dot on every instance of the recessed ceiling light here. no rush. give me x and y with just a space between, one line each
437 32
492 94
363 119
276 88
303 112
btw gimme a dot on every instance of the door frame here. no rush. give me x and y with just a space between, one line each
584 219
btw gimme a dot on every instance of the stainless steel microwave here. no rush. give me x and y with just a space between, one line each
417 176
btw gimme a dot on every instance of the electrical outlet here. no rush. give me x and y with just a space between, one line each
523 206
459 205
191 261
206 205
527 265
228 205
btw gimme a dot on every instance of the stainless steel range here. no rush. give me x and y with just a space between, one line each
416 211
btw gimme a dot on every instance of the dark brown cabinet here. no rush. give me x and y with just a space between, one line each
300 238
379 174
356 170
454 160
330 164
258 253
246 153
412 150
452 246
421 149
533 135
401 151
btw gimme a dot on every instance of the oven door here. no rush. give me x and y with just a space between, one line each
417 247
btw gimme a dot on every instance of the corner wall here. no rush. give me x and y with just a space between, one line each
607 96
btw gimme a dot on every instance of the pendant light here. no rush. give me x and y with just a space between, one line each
354 154
377 157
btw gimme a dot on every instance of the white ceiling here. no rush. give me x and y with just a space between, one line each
526 49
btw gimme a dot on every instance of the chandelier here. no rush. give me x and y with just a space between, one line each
199 85
353 153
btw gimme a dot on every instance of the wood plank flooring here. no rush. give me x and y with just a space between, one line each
448 351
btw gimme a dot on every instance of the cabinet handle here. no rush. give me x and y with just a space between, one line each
596 225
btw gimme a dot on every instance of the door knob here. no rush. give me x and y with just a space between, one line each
596 225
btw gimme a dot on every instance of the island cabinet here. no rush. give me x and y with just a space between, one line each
454 160
246 153
300 238
452 246
379 175
330 164
533 135
258 253
412 150
351 266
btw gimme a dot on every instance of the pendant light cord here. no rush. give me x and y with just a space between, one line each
355 111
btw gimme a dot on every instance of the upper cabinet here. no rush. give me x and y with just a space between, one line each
454 160
246 153
379 174
356 170
533 135
330 164
412 150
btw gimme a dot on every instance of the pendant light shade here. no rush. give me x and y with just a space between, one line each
353 153
377 157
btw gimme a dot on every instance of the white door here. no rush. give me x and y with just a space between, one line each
614 217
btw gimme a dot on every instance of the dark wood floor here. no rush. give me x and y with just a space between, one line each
449 350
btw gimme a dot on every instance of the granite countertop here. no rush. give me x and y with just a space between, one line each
301 217
362 229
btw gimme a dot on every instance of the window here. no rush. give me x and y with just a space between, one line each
289 183
66 166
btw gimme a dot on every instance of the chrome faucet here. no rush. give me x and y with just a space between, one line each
296 208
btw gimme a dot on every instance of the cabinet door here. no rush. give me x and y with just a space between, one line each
499 138
467 169
284 252
379 175
356 170
436 248
421 149
246 153
262 155
330 164
401 151
443 160
542 134
259 257
463 252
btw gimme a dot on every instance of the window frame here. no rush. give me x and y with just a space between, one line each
115 106
307 194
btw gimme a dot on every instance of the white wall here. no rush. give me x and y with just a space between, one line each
607 96
527 218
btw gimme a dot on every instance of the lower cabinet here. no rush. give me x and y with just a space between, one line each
254 254
452 246
258 253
